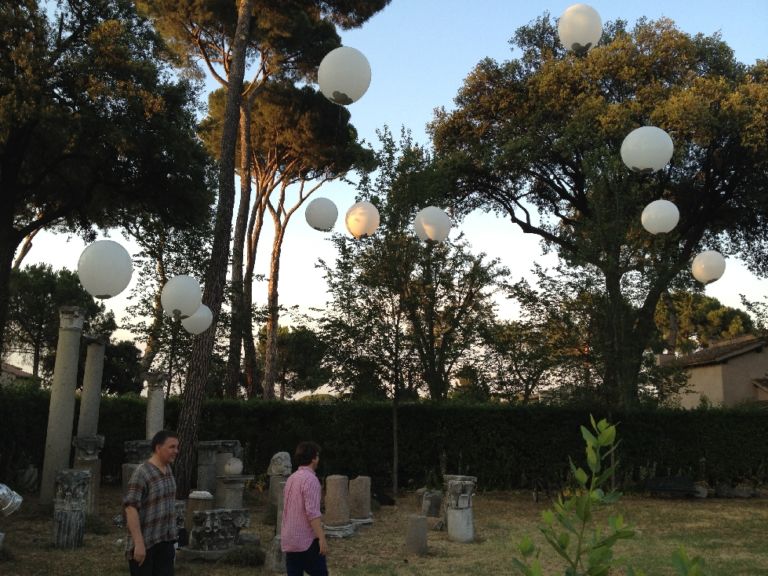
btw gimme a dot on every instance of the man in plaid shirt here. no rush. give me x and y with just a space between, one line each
150 510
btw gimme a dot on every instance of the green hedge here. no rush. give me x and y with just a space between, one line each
505 446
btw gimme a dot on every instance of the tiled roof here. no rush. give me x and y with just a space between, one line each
15 371
723 351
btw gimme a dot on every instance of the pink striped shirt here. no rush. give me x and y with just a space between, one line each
301 504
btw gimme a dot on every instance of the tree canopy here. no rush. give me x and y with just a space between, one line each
537 139
94 126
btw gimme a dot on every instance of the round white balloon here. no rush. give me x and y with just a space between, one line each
321 214
344 75
660 217
647 149
104 268
708 266
199 321
432 223
362 219
181 294
580 28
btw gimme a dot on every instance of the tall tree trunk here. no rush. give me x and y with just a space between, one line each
255 224
9 240
273 311
239 309
25 248
155 330
215 278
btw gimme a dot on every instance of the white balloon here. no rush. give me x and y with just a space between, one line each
660 217
199 321
432 223
708 266
321 214
104 268
580 28
362 219
181 294
344 75
647 149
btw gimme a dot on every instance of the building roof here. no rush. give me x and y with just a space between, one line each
723 351
15 371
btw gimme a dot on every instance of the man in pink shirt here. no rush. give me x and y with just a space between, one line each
301 532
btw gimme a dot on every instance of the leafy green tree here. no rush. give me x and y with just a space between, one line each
690 320
538 139
37 293
93 126
283 39
123 372
299 360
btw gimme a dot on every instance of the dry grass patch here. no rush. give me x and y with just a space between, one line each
729 534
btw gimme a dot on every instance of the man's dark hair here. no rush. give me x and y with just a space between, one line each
160 438
305 453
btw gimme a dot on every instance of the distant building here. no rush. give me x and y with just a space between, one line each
727 373
11 373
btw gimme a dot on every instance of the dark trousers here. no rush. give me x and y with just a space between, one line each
309 561
159 561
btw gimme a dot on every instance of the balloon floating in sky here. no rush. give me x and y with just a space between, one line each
432 223
104 268
362 219
199 321
579 28
660 217
647 149
181 296
708 266
321 214
344 75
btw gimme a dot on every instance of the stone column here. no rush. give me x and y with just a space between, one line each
155 404
459 516
416 535
336 518
61 413
360 500
278 471
87 424
134 453
197 501
87 449
276 557
69 508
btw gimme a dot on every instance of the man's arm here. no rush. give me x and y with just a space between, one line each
134 527
317 528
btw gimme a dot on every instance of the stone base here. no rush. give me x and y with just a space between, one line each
362 521
343 531
460 523
188 554
275 560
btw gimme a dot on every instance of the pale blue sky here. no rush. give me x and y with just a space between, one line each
420 51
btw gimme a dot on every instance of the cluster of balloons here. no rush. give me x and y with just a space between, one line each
105 269
362 219
645 150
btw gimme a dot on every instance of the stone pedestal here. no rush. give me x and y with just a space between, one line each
279 470
336 520
416 535
61 413
134 453
459 517
198 501
229 491
155 404
213 533
87 449
69 508
360 500
275 560
207 461
432 503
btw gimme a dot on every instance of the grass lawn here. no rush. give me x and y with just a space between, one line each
729 534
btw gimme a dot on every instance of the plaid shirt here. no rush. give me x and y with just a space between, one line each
153 494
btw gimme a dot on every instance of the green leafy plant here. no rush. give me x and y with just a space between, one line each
568 527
